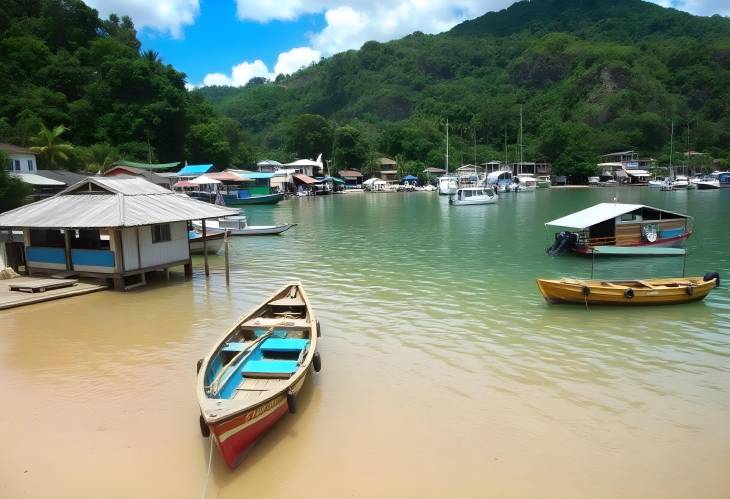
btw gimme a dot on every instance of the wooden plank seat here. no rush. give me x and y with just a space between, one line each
269 368
283 323
283 345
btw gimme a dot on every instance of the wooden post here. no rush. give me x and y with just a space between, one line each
205 250
67 241
225 250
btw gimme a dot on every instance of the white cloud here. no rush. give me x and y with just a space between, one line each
287 63
297 58
701 7
164 16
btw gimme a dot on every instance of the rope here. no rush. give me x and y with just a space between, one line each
210 461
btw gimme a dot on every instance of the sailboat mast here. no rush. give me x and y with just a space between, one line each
671 145
447 146
521 158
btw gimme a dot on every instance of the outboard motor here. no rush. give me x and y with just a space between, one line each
564 241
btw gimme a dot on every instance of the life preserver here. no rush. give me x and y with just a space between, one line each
629 293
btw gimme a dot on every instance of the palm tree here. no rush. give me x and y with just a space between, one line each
100 157
151 56
47 145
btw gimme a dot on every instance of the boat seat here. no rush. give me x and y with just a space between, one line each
269 368
234 347
281 345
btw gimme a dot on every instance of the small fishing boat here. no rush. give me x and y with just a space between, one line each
473 195
214 242
235 200
251 377
663 291
619 224
238 226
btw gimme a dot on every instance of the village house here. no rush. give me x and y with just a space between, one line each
113 228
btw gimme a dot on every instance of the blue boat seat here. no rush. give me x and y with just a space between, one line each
234 347
282 345
269 368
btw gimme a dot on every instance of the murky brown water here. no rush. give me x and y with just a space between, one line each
444 373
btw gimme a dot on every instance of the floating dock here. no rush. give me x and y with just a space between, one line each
27 290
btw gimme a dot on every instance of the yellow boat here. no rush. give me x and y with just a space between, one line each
664 291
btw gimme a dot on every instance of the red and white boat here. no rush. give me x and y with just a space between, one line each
619 224
252 376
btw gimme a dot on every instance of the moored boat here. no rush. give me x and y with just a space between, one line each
619 224
473 195
663 291
251 377
232 200
544 181
213 244
238 226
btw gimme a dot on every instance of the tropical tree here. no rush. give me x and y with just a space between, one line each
99 157
12 190
49 147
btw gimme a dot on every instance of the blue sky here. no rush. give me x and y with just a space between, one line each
227 42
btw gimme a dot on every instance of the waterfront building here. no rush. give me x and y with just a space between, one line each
626 167
20 159
352 178
189 172
115 228
388 170
150 176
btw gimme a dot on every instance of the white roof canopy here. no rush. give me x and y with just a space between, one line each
204 180
371 181
600 213
33 179
638 173
303 162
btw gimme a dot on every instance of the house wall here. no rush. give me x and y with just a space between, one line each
22 163
155 254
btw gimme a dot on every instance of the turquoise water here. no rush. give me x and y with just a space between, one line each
444 370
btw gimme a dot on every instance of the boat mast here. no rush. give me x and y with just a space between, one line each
447 146
671 146
521 158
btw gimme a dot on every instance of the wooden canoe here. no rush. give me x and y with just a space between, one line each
630 292
251 377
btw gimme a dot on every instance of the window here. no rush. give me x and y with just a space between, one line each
30 165
16 165
160 233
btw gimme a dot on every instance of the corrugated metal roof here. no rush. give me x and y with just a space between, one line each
127 203
349 173
33 179
258 175
13 149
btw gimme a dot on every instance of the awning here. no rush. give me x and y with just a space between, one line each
410 178
184 183
305 179
204 180
600 213
33 179
226 177
638 173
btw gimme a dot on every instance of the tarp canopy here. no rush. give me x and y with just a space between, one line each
335 180
195 170
33 179
205 180
371 181
147 166
226 177
258 175
494 177
599 213
101 202
638 251
410 178
184 183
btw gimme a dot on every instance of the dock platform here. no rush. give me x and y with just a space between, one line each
27 290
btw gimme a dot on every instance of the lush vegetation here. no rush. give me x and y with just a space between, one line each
81 91
591 77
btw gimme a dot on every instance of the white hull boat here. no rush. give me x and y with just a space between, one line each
473 195
238 226
448 185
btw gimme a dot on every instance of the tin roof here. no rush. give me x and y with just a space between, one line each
600 213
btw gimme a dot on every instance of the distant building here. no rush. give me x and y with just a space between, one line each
388 169
626 167
352 178
531 168
110 228
155 178
189 172
21 160
493 166
47 183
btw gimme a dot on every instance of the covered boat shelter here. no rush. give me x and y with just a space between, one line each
622 224
110 228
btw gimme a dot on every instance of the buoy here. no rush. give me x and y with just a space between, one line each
291 401
197 367
690 290
712 275
204 427
319 330
629 293
317 362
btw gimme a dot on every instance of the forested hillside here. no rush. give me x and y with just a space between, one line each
591 76
60 65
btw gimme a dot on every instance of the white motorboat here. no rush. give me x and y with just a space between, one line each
657 183
680 182
526 183
238 226
708 182
473 195
214 242
594 180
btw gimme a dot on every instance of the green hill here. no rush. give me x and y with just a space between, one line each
591 77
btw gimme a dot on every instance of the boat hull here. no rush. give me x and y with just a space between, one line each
235 436
262 230
469 202
214 244
707 185
595 292
265 199
669 242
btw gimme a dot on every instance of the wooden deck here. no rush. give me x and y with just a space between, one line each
10 299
